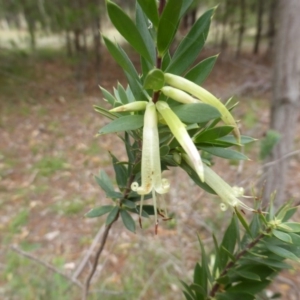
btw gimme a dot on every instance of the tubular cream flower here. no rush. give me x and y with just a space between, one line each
151 180
179 131
133 106
222 188
205 96
178 95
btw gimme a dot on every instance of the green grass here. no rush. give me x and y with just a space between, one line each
68 208
47 166
21 219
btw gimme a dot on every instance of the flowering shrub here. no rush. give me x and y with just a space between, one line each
165 120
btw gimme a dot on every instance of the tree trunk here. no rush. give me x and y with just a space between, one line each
286 97
241 26
271 26
260 12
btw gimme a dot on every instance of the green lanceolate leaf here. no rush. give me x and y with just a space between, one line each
228 242
282 252
244 140
108 97
154 80
122 94
200 72
150 9
127 29
235 296
105 183
248 275
290 226
128 221
185 6
112 215
285 237
191 45
120 171
196 112
126 123
167 25
243 221
121 57
104 112
225 153
99 211
212 133
142 24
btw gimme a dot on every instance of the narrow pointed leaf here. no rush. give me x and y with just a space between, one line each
121 57
191 45
213 133
200 72
120 171
123 23
167 25
128 221
126 123
112 215
142 24
99 211
225 153
285 237
282 252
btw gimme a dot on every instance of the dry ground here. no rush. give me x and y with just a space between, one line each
48 156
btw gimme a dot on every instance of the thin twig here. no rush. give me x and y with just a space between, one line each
47 265
103 242
88 254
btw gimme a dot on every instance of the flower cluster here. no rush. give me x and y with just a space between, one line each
183 91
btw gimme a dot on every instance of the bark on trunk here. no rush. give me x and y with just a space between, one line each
260 12
286 96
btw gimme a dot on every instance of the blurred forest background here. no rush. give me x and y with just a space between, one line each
51 62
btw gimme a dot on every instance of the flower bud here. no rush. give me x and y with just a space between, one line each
132 106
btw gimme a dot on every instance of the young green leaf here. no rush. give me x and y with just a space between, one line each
99 211
225 153
285 237
212 133
200 72
282 252
290 226
128 221
112 215
154 80
120 171
228 242
126 123
167 25
127 29
188 50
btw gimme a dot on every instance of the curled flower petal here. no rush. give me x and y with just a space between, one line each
133 106
179 131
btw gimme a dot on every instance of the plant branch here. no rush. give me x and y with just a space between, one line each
231 264
98 254
47 265
106 233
